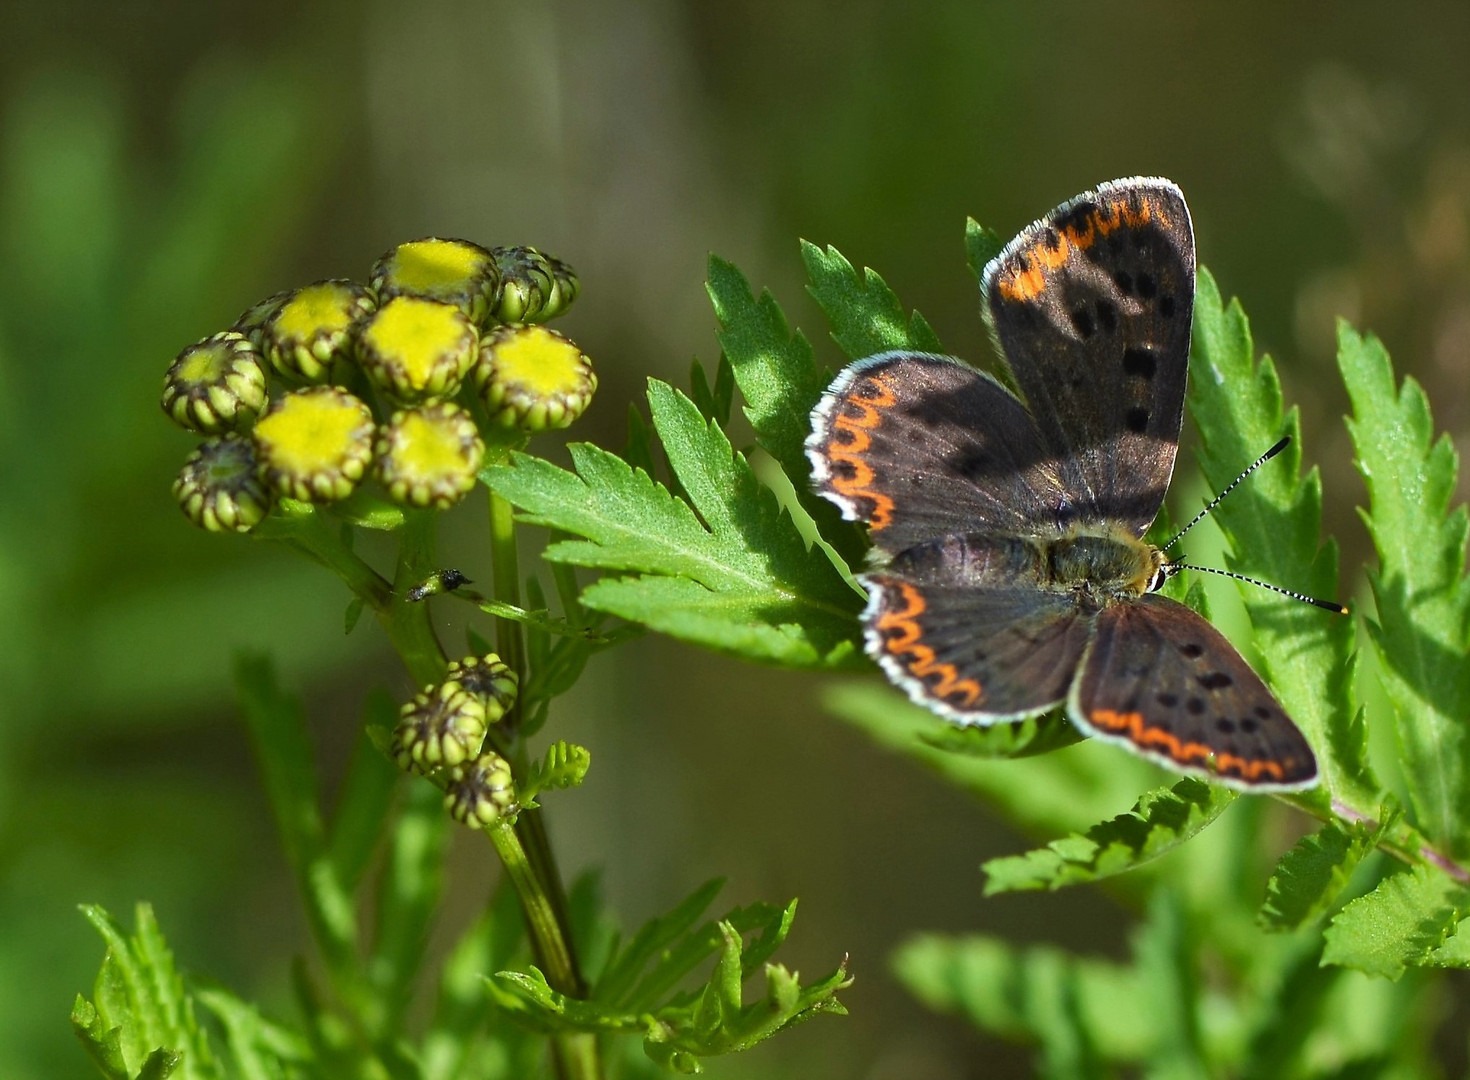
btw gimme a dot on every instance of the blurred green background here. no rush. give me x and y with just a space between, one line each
163 164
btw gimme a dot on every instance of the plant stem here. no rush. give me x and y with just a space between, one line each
509 637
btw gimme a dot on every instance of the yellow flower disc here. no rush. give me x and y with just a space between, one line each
533 378
314 328
454 272
430 456
215 384
315 444
417 349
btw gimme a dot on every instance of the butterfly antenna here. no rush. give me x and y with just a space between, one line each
1174 568
1267 456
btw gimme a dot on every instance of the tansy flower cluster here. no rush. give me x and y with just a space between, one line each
399 380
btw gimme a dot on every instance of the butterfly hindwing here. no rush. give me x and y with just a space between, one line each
920 446
1092 308
1163 681
964 627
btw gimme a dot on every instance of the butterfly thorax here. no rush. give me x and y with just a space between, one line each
1098 567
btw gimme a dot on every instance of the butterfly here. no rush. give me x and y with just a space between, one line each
1011 575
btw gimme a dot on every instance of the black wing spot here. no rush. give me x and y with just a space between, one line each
1248 725
1124 281
1166 306
1168 701
1052 240
1216 680
1195 705
1263 712
1082 320
843 468
1148 288
1139 362
1136 419
1107 316
970 463
1191 650
926 411
1225 725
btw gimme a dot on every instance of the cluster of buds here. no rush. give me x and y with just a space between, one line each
442 732
313 391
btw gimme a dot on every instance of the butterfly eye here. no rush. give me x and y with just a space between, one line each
1156 582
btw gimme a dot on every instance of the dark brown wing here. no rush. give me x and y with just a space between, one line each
1092 308
1164 682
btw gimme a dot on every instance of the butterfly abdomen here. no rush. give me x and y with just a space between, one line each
1106 567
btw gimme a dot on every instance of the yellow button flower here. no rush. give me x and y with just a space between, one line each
452 271
313 329
315 444
533 378
429 456
215 384
417 349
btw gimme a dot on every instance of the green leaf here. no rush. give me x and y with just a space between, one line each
353 613
655 936
713 402
1312 875
258 1049
1272 525
1041 994
981 245
564 766
638 449
1159 821
1399 924
870 703
865 316
410 892
730 572
781 383
1422 632
1168 961
141 1023
366 795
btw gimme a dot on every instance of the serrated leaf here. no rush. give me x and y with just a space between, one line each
564 766
1422 632
864 314
714 402
868 703
1272 526
735 576
1312 875
258 1048
141 1018
1159 821
366 794
1399 924
654 936
638 448
409 893
781 382
981 245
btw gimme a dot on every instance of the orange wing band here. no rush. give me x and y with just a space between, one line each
1027 279
1186 753
857 428
907 642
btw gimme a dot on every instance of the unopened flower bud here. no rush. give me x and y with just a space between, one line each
480 792
488 679
533 378
219 489
314 444
313 329
452 271
443 726
252 320
215 384
429 456
417 349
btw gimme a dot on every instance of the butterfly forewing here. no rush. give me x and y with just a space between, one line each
920 446
1162 680
1092 308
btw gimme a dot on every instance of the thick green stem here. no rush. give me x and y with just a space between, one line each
509 637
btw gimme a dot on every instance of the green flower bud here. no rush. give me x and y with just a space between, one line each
314 328
440 727
487 679
252 320
430 456
533 378
417 349
528 284
452 271
480 792
219 489
215 384
565 293
314 444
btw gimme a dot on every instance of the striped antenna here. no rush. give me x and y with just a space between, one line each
1267 456
1174 568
